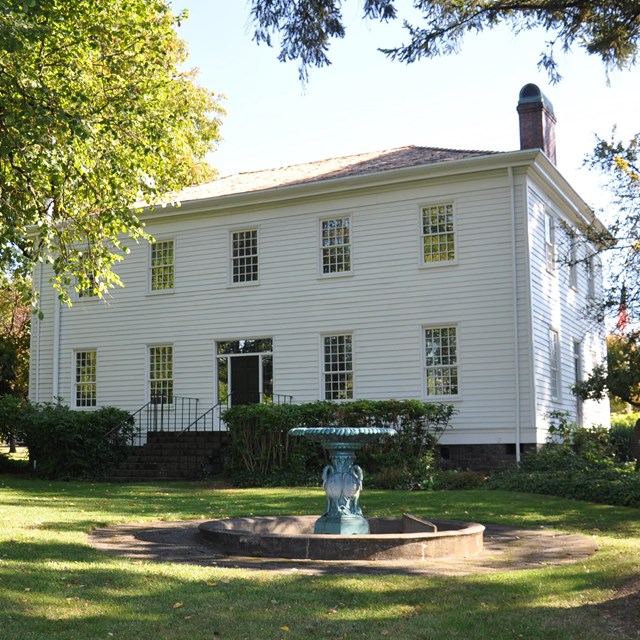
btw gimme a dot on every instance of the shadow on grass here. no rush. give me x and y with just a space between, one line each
100 596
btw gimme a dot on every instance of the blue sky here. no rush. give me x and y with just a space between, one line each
364 102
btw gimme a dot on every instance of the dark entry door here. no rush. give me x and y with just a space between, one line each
245 380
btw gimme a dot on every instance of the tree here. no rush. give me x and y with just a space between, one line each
621 375
609 29
15 324
96 114
620 162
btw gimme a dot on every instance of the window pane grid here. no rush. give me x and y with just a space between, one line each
338 367
336 245
244 262
438 233
85 379
162 265
554 362
441 360
161 374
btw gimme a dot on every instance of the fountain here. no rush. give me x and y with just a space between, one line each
342 480
342 532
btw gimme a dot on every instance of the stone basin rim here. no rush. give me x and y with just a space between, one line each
458 527
393 539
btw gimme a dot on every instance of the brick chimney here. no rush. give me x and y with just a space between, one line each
537 121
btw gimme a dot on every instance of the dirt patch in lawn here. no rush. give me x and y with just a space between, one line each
505 549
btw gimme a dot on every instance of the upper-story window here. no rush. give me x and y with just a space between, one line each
438 234
161 374
162 265
85 378
549 241
441 361
591 279
336 245
87 288
338 367
573 263
244 256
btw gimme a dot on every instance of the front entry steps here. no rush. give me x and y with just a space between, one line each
174 456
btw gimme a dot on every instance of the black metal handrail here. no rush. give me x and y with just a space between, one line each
276 398
208 417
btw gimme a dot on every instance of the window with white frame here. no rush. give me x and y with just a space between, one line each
441 361
86 288
549 241
591 280
85 381
554 363
336 245
162 265
161 374
338 367
438 234
573 263
244 256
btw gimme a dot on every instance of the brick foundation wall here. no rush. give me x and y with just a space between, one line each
480 457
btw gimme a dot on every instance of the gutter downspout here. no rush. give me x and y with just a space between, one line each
514 295
57 320
36 391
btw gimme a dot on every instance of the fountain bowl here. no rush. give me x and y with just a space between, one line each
292 537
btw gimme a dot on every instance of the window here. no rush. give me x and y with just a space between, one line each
336 245
87 288
573 263
438 238
591 281
85 388
161 374
577 376
244 256
338 367
441 361
549 241
554 363
162 265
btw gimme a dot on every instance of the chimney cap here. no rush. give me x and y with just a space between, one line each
531 94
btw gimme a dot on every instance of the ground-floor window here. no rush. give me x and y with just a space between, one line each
161 374
441 361
338 367
245 371
85 382
554 363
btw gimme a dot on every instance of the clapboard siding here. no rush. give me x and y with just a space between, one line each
385 302
556 305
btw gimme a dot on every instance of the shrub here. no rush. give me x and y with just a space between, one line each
578 463
70 444
261 451
457 480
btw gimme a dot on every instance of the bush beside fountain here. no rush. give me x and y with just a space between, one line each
262 454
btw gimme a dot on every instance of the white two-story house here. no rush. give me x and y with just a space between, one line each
410 273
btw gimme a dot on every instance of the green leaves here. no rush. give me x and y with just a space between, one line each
95 114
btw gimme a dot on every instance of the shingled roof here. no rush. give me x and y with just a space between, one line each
331 168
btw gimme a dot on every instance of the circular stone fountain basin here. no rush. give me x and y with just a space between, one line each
406 538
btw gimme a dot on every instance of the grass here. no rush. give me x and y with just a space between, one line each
53 585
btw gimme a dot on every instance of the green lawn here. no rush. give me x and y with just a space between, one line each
54 585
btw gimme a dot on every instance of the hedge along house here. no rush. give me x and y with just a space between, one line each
415 272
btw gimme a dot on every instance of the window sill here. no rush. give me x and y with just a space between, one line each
242 285
160 292
437 264
334 276
457 398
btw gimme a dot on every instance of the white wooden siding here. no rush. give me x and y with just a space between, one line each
556 305
384 303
